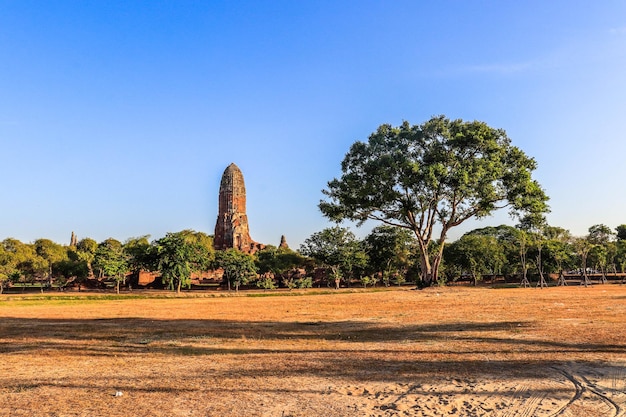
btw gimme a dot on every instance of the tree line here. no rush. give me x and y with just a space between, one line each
332 257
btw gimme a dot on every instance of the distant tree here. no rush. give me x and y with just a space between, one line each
278 261
583 246
205 243
239 268
177 256
86 250
533 227
434 175
477 255
52 254
23 262
390 251
621 232
514 246
603 250
6 268
599 234
140 254
111 261
73 270
620 257
338 249
559 253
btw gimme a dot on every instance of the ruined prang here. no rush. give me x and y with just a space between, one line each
231 228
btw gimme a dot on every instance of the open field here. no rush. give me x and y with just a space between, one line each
440 351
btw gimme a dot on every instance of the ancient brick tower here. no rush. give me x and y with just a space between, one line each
231 229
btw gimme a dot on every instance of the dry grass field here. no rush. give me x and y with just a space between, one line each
437 352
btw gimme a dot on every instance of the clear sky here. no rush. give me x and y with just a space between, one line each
117 118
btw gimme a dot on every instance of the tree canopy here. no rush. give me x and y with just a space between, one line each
239 267
338 249
179 254
433 176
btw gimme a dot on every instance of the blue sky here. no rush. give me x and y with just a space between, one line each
117 118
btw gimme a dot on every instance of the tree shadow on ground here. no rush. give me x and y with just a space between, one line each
180 337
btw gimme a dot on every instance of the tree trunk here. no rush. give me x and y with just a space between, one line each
436 264
430 267
426 270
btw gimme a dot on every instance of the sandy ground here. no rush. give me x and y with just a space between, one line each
436 352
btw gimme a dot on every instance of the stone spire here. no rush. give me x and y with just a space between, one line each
283 242
231 228
73 240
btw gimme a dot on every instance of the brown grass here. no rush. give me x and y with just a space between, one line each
441 351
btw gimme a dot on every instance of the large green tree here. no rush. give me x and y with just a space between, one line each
177 255
86 250
139 253
512 241
476 255
277 260
21 261
559 253
604 250
390 251
52 255
111 261
239 268
433 177
338 249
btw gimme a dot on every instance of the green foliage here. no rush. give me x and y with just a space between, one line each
298 282
398 279
278 260
111 261
477 255
368 280
87 245
620 255
304 282
442 172
621 232
337 249
179 254
140 255
266 282
239 267
511 241
390 251
50 254
600 234
21 258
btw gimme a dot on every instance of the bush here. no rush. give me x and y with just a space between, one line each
306 282
367 280
267 283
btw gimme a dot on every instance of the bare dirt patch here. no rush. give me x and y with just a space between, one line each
437 352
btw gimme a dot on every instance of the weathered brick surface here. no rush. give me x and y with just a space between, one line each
231 228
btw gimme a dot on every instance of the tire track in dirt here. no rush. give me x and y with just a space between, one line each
564 390
594 388
583 386
578 392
